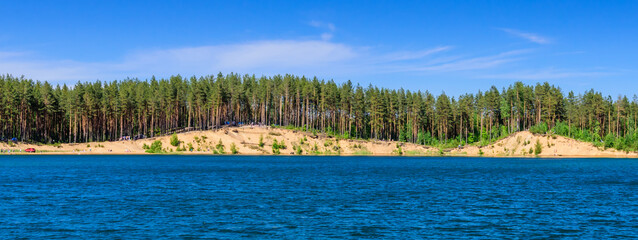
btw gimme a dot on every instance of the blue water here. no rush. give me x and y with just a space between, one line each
154 197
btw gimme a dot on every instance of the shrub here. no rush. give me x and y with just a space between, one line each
156 147
275 147
181 149
399 150
261 141
328 142
298 150
220 146
538 148
233 148
174 140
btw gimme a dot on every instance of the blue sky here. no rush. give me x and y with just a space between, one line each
451 46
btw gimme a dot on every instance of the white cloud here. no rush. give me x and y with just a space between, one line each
303 57
279 56
532 37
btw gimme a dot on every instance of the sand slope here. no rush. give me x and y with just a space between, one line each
519 145
246 139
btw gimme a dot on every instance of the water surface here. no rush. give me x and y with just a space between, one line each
316 197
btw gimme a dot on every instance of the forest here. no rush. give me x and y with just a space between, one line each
35 111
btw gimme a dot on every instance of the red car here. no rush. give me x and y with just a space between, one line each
31 150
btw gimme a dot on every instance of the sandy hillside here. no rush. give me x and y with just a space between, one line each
246 140
519 145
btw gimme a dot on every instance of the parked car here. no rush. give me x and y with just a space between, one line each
31 150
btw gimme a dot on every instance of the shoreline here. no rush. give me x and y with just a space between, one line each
268 141
309 155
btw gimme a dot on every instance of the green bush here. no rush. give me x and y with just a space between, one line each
399 150
538 148
174 140
220 146
327 143
298 150
156 147
261 141
233 148
540 128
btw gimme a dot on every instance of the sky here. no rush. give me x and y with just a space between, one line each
454 47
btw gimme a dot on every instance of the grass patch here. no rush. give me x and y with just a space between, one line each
414 153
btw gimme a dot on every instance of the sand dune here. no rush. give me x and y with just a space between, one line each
519 145
246 140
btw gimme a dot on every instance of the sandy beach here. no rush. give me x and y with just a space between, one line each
246 140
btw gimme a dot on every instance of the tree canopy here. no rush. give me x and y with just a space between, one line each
99 111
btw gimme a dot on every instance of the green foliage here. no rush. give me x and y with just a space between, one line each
481 152
182 149
145 146
327 143
174 140
540 128
261 141
398 150
233 148
156 147
276 146
362 152
538 148
35 111
403 136
298 150
190 147
220 147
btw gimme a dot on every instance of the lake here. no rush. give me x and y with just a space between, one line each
228 197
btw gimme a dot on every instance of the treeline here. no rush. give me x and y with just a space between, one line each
97 111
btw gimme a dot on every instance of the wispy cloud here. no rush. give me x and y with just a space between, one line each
265 57
326 36
546 74
457 63
319 24
532 37
411 55
308 57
